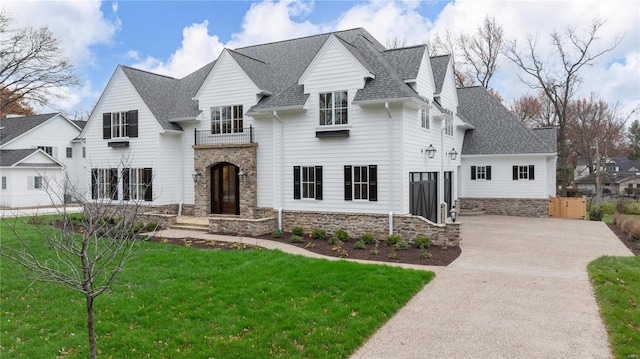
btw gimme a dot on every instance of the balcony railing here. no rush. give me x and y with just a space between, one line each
244 135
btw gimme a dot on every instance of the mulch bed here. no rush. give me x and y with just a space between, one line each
632 244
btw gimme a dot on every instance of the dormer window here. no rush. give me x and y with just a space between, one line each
334 108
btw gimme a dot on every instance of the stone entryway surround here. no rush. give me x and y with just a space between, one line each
241 155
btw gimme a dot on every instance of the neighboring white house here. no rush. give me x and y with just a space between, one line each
39 155
328 130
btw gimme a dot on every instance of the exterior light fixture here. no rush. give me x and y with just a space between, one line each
453 212
453 154
430 151
196 176
243 175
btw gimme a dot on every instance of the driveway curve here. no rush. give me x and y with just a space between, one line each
520 289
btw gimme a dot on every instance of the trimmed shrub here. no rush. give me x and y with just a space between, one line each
359 245
151 226
298 231
393 239
276 234
297 239
334 240
425 255
342 235
367 238
402 245
319 234
596 214
422 242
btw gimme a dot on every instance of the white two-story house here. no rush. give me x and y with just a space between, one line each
41 161
325 131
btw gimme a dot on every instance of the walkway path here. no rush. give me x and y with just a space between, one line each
519 290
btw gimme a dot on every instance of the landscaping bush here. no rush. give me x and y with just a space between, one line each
298 231
607 207
359 245
319 234
629 225
422 242
596 214
402 245
334 240
151 226
342 235
367 238
297 239
425 255
276 234
393 239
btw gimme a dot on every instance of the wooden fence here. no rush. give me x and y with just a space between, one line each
568 207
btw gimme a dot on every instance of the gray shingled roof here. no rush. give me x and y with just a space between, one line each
16 126
276 67
497 130
439 66
11 157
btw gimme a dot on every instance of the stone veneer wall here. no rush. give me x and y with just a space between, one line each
242 226
241 155
521 207
356 224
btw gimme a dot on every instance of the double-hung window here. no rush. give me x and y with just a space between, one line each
4 182
481 173
120 124
69 152
424 118
307 182
361 183
47 149
104 183
448 129
226 119
136 184
36 182
523 172
334 108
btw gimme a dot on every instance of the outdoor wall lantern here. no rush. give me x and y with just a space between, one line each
453 154
430 151
196 176
243 175
453 212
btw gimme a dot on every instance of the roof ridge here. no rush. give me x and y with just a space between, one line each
247 56
404 48
151 73
436 56
300 38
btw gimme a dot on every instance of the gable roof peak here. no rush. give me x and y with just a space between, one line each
145 71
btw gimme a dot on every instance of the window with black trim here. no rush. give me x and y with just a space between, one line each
523 172
481 173
69 152
307 182
4 182
137 184
226 119
361 183
334 108
120 124
47 149
104 183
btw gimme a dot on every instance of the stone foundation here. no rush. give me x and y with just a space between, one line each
521 207
242 226
356 224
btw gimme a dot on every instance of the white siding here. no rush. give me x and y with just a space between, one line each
167 174
448 94
425 82
502 184
19 192
143 151
333 70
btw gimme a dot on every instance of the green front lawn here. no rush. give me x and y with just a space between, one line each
616 281
177 302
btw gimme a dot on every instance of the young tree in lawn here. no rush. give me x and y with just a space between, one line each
558 79
32 65
85 253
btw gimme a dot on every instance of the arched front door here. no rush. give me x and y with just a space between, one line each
225 189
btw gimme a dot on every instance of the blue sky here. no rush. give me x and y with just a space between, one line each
177 37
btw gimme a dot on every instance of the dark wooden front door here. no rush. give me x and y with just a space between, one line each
225 189
423 193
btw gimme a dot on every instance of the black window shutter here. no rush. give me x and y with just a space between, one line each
296 182
133 123
348 192
473 172
531 170
126 188
488 173
515 173
373 183
148 184
318 182
113 183
106 126
94 183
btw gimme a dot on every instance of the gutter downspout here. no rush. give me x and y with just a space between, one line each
280 204
441 173
391 166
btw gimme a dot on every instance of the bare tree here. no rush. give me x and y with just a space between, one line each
559 83
85 253
396 42
32 65
481 50
535 111
446 45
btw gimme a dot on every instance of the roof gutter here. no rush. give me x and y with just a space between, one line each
271 110
392 100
